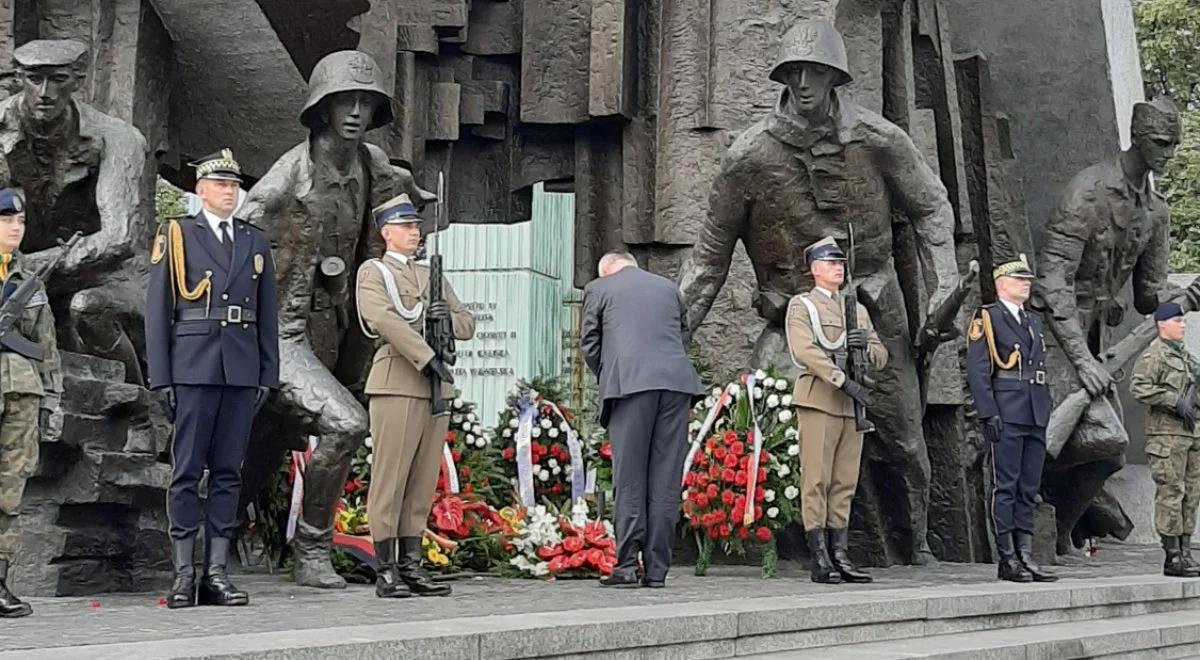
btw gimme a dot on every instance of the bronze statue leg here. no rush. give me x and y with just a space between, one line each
1073 491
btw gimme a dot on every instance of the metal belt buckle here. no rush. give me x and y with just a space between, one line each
1039 377
233 314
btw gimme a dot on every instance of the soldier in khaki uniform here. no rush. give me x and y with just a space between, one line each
830 446
31 390
1163 379
393 303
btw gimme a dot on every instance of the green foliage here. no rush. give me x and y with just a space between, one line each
168 201
1169 37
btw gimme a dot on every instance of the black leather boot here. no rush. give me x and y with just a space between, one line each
1025 556
823 570
387 583
1009 567
839 542
408 568
215 587
11 607
183 590
1173 565
1185 549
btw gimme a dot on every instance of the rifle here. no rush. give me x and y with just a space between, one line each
943 318
438 333
857 368
14 306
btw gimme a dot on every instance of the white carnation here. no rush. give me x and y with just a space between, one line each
553 433
773 512
793 450
513 423
716 392
458 403
758 393
546 423
544 475
564 427
760 374
466 426
785 416
471 417
536 432
556 470
370 442
768 382
552 463
695 425
456 419
781 385
791 433
769 495
476 429
370 457
507 433
791 492
786 400
773 401
470 440
783 471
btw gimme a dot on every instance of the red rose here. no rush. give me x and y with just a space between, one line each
728 476
731 461
740 478
762 458
712 490
762 534
701 479
727 498
689 479
606 451
508 453
450 437
572 544
730 437
457 455
714 471
738 513
760 495
738 448
714 533
719 453
762 475
743 533
537 448
719 516
725 531
556 489
702 500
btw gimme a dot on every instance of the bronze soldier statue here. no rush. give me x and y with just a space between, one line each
813 166
315 204
1110 227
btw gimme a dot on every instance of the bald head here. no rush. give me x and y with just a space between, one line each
615 261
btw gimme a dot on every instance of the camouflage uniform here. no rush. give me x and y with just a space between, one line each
1160 375
26 386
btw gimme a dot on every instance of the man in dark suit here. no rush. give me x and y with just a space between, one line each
634 339
212 344
1006 372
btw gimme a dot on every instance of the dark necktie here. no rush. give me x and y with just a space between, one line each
1021 318
226 239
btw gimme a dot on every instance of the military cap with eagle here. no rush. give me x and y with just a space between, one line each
219 165
1018 268
825 249
398 210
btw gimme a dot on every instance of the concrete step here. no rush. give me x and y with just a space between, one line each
1145 637
824 623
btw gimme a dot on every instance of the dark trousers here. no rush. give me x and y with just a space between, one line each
212 429
1017 465
649 443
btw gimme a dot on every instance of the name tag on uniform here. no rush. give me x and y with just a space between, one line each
37 300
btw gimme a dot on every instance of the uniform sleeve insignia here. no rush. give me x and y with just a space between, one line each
38 299
975 333
258 264
159 249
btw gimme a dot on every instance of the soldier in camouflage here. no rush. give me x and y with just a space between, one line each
1164 379
30 389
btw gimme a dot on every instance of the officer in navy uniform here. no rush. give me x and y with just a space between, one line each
1007 375
212 344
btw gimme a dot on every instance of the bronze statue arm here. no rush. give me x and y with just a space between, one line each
705 271
1150 283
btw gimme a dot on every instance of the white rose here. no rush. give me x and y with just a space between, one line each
716 392
758 393
546 423
791 492
370 457
553 433
544 475
760 374
773 401
536 432
786 400
769 495
768 382
370 442
781 385
552 463
785 416
513 423
481 443
456 420
471 417
507 433
783 470
793 450
476 429
556 471
470 440
773 512
458 403
791 433
466 426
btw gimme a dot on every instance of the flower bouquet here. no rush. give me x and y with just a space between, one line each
552 545
540 446
727 502
466 534
478 465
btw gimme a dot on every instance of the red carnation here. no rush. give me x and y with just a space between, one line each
719 453
714 471
762 458
465 472
728 475
727 497
738 448
731 461
556 489
700 459
689 479
760 495
468 489
709 445
730 437
762 475
743 533
725 530
740 478
762 534
508 453
712 490
457 455
739 512
702 500
450 437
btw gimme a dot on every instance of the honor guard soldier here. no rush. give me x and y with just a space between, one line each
212 345
394 305
30 382
1164 378
830 444
1006 372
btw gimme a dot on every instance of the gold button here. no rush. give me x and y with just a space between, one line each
224 323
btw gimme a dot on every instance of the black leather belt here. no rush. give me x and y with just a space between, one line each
1037 377
230 314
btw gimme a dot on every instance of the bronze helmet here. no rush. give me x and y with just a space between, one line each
816 41
345 71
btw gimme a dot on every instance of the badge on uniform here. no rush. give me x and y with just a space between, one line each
37 300
258 264
975 333
159 249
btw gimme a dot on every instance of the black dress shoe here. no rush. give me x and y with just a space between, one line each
621 579
408 569
823 570
183 589
11 607
839 549
215 586
387 582
1009 568
1025 555
654 584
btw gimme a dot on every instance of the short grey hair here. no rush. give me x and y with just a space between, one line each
614 257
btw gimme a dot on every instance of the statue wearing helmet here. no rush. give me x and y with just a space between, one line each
810 169
315 204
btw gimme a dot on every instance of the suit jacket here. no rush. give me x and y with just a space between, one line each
821 376
213 351
635 336
396 368
1019 400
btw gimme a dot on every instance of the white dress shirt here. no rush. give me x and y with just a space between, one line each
828 294
214 222
398 257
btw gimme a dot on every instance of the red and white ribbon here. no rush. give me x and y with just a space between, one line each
752 468
450 468
300 461
709 420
